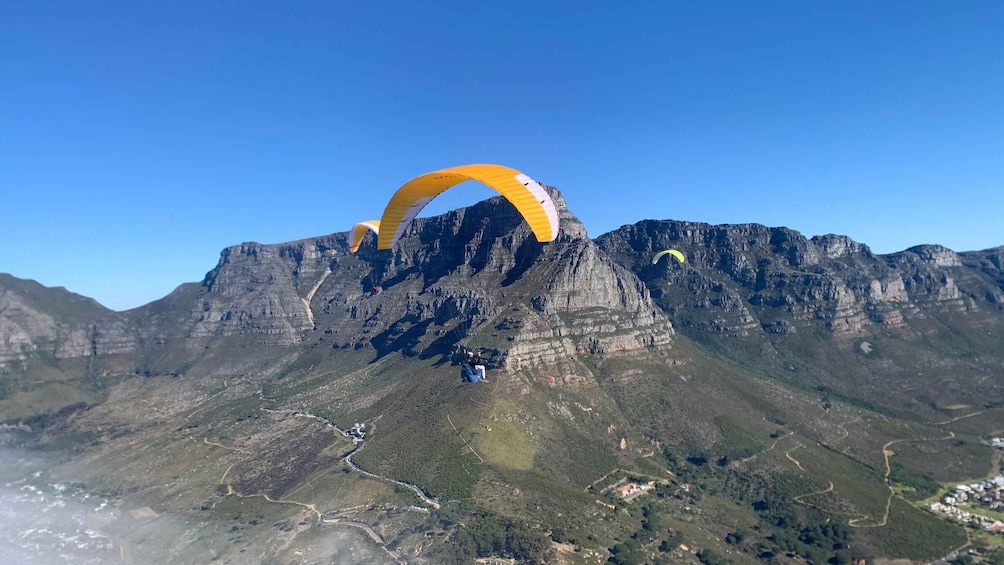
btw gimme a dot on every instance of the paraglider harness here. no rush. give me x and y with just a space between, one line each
472 367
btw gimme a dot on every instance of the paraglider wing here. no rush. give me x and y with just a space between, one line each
529 198
679 256
359 230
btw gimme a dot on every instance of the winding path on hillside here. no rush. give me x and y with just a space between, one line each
312 508
886 454
232 491
426 498
792 459
798 499
417 490
957 418
772 446
829 488
370 532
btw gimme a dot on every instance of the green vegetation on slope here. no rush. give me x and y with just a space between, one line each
913 534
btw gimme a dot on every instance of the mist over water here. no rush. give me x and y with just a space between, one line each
44 522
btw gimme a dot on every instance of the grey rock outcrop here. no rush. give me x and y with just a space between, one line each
838 246
795 308
478 275
990 262
56 323
261 290
474 275
743 276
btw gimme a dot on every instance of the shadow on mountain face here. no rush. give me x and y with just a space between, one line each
526 256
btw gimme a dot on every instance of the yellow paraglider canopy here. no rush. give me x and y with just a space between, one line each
359 231
529 198
679 256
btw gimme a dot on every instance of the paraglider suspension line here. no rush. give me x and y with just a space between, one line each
464 440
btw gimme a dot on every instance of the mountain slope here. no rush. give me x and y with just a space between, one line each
226 415
50 341
826 313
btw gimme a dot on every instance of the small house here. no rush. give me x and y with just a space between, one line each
628 489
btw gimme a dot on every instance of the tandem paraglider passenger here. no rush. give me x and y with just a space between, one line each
472 367
473 374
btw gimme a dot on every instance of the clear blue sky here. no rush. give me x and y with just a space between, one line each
138 139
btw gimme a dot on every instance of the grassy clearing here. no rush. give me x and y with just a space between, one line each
986 539
738 442
956 459
507 444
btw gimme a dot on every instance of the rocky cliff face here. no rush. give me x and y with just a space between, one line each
55 323
477 275
912 330
745 279
990 262
262 290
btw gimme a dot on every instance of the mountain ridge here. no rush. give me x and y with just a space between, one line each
707 376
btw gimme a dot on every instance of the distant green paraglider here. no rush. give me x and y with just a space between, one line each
678 255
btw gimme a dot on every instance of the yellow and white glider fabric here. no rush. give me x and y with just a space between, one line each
679 256
529 198
359 231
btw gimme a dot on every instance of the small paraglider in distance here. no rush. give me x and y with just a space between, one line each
679 256
377 289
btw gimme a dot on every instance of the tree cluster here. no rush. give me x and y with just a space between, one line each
489 534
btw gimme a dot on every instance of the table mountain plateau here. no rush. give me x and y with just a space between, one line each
757 388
